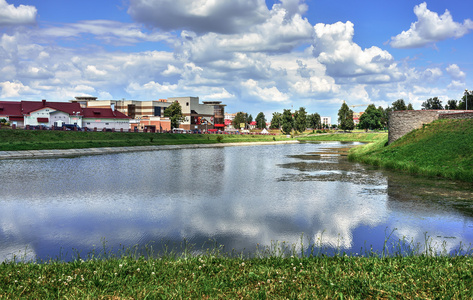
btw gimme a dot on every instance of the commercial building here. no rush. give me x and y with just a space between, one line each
46 113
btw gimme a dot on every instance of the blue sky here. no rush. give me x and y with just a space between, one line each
253 55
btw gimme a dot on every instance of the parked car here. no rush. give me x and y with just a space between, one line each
72 126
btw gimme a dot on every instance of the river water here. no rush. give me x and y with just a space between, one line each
245 198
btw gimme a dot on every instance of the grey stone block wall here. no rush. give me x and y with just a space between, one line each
404 121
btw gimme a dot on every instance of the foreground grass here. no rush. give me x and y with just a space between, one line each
443 148
13 140
214 277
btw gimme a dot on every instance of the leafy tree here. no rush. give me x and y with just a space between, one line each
384 116
249 119
371 118
345 117
174 113
240 117
276 120
260 121
287 122
468 97
432 103
314 121
399 105
452 104
409 107
300 120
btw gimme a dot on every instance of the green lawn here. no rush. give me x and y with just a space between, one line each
443 148
12 140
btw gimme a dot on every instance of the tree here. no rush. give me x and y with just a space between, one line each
240 118
314 121
409 107
174 113
371 118
399 105
432 103
260 121
300 120
468 97
276 120
345 117
249 119
287 122
452 104
384 116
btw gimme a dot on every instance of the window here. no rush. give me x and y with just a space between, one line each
187 103
106 123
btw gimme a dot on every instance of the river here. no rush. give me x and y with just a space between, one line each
245 198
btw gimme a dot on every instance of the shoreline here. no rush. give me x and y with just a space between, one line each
51 153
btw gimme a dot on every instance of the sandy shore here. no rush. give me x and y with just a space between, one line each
107 150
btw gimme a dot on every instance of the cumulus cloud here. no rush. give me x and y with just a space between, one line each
334 47
21 15
430 28
111 32
267 94
13 89
200 16
454 71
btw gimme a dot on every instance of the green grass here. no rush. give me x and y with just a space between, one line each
13 140
216 276
443 148
347 137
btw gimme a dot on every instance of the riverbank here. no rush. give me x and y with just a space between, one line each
109 150
45 143
215 277
443 148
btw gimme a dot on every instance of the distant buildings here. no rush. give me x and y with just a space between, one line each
46 113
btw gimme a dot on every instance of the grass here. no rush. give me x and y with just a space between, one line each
443 148
347 137
14 140
214 275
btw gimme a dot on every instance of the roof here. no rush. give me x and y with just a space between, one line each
67 107
8 108
105 113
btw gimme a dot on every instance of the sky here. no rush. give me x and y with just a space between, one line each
253 55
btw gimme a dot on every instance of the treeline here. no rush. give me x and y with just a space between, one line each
287 121
377 118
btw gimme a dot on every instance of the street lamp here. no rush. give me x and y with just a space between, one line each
466 98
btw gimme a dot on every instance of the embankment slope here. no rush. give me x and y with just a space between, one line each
442 148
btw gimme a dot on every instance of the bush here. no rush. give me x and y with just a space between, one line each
219 138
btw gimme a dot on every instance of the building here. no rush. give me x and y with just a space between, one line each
356 117
46 113
196 116
326 121
209 115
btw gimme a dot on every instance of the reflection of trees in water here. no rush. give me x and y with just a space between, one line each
413 195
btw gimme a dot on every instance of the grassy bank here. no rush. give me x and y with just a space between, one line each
347 137
13 140
442 148
216 277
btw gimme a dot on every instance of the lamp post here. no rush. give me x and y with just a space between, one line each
466 98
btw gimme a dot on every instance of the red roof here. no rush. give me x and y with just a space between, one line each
67 107
253 123
105 113
10 109
228 122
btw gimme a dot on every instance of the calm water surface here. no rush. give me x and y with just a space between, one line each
234 196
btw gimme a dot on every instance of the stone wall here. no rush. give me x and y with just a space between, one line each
404 121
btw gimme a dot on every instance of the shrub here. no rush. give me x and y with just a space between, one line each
219 138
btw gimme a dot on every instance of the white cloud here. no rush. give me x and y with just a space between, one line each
21 15
334 47
430 28
218 94
271 94
13 89
454 71
199 15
